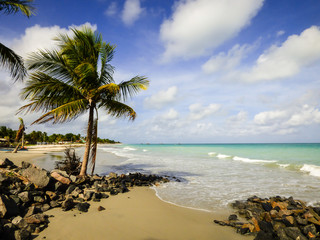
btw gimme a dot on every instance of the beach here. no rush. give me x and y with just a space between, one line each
138 214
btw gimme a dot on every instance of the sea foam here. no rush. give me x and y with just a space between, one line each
313 170
249 160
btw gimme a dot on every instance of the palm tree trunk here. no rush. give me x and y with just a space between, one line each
84 165
22 141
16 149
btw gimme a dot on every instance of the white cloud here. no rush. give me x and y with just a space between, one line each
242 116
280 33
131 11
162 98
171 115
38 37
226 61
270 117
197 26
287 60
198 112
111 10
306 116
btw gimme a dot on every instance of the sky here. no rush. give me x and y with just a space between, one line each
220 71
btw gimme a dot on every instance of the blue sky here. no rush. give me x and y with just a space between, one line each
220 71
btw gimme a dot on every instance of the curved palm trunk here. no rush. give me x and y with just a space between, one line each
84 165
16 149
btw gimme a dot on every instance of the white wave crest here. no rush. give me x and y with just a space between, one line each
129 149
223 156
145 150
212 154
313 170
248 160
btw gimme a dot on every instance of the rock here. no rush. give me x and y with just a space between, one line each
112 175
67 204
22 234
310 229
24 196
60 178
45 207
38 177
265 236
54 204
39 199
31 210
266 206
282 234
294 233
301 221
100 208
88 195
70 189
73 178
25 164
37 218
19 222
6 163
8 207
52 195
265 226
96 197
233 217
288 221
83 207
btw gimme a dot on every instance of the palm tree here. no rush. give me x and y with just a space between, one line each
78 78
20 136
8 58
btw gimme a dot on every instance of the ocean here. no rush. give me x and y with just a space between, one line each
210 176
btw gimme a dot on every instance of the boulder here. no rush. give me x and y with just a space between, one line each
37 176
8 207
22 234
294 233
67 204
4 163
19 222
83 207
37 218
59 177
24 196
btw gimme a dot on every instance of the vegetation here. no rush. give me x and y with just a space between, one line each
40 137
8 58
71 164
75 79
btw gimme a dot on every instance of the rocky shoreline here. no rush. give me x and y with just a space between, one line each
27 192
275 218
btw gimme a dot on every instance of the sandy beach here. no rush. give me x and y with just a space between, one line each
138 214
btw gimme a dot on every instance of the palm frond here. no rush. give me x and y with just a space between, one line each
64 113
13 62
118 109
13 6
132 87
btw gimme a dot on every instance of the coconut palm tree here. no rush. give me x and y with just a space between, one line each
75 79
20 136
8 58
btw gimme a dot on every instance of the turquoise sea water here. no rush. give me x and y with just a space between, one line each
213 175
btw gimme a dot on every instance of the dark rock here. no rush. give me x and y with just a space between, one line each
83 207
282 234
265 236
221 223
6 163
38 177
233 217
310 228
265 226
67 204
100 208
266 206
294 233
8 207
96 197
70 189
25 165
301 221
45 207
88 195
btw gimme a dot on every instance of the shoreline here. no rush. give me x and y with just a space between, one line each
138 214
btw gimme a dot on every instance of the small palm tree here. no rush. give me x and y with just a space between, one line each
78 78
20 136
8 58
